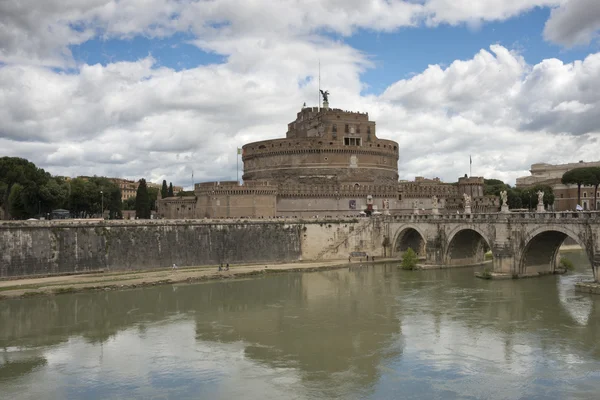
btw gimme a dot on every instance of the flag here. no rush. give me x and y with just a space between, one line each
239 151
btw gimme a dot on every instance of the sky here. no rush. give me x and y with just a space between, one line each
163 89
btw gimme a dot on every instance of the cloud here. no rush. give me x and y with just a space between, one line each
575 22
42 33
134 119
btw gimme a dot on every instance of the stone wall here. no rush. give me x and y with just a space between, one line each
64 247
49 248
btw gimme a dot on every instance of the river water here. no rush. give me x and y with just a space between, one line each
375 332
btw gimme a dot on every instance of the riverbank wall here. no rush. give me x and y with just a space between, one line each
46 248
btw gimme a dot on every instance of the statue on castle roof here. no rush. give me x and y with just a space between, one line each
325 95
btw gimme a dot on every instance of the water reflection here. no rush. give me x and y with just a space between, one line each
338 334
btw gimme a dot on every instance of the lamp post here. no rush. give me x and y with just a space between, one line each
102 202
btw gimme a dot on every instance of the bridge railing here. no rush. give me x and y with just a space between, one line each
518 216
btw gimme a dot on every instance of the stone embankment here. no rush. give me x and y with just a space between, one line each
53 285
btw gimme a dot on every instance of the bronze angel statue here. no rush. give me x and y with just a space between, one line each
325 95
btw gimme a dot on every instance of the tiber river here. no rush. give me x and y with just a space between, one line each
375 332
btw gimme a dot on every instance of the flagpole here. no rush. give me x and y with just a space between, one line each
470 166
237 165
319 89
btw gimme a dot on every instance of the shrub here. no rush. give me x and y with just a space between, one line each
486 274
489 256
410 259
567 264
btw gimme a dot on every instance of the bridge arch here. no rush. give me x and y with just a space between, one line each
541 248
466 246
409 236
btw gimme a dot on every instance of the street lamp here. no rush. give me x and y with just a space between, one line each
102 209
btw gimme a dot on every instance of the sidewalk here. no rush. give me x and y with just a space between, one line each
132 279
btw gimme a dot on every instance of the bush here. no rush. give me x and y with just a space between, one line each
489 256
410 260
567 264
486 274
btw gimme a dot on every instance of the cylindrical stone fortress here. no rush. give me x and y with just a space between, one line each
329 146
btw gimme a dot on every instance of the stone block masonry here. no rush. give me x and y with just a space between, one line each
30 249
66 247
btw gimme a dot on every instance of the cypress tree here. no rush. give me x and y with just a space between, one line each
142 201
170 193
164 191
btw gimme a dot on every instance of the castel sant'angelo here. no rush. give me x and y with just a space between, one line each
330 163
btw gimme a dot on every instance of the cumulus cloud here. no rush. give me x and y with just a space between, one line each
34 32
134 119
137 119
575 22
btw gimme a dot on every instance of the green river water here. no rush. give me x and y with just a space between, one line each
371 332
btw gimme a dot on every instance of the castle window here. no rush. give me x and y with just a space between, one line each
369 130
369 137
351 141
347 129
334 128
584 194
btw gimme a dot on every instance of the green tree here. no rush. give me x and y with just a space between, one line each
142 201
15 202
164 191
409 259
170 192
15 170
593 179
578 176
129 204
153 196
494 187
185 193
514 198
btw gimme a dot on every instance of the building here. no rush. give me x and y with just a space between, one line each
565 196
330 163
129 187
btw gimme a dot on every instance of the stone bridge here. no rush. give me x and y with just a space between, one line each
522 244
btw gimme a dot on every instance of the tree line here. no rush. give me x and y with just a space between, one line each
27 191
519 197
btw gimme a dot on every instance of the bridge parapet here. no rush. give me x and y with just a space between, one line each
503 217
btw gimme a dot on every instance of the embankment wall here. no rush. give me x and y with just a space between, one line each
34 248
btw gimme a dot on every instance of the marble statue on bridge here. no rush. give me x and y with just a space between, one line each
540 205
503 197
504 201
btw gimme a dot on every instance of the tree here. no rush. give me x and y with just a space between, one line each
409 259
164 191
170 192
129 204
593 179
15 202
578 176
184 193
153 196
494 187
142 201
